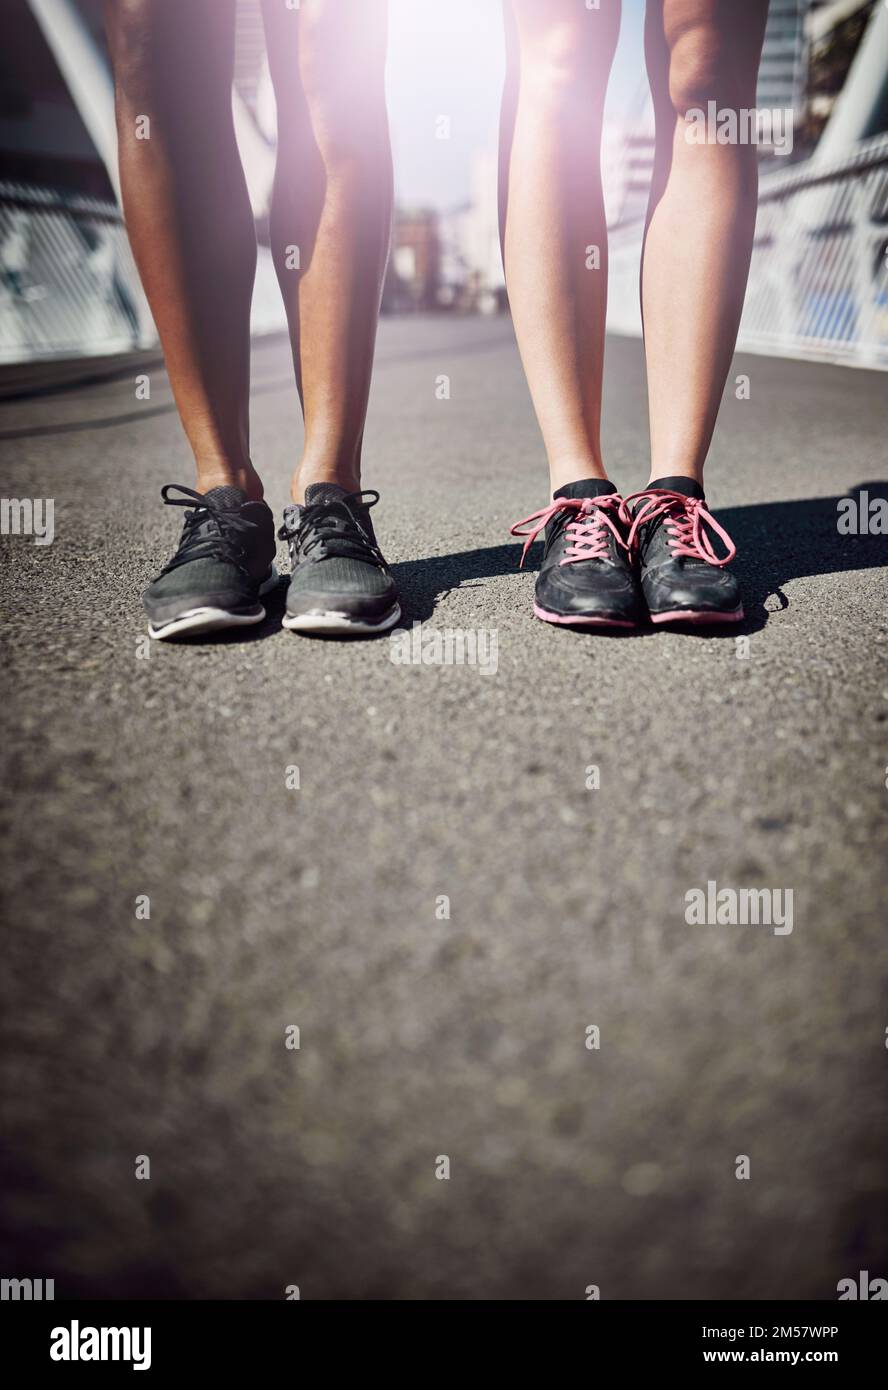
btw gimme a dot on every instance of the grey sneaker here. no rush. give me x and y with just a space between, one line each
339 584
221 569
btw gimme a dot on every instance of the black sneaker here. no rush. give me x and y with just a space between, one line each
339 582
682 577
586 578
223 565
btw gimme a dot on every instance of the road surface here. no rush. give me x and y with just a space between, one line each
447 907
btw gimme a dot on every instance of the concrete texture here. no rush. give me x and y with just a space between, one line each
422 1036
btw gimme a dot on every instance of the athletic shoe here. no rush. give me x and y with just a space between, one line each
682 577
223 565
339 583
586 578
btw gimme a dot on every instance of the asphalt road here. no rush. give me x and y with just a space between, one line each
424 1036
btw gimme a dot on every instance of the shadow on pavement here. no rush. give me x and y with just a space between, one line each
776 542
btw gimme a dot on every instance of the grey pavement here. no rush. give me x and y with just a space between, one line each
423 1036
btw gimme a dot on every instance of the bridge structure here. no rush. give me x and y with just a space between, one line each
818 285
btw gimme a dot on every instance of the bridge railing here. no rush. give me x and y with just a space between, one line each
69 286
818 283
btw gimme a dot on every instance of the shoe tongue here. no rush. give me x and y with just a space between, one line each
688 487
324 492
227 497
589 487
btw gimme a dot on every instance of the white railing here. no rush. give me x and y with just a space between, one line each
68 284
818 284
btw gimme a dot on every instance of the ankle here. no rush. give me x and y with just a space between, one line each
564 474
680 471
246 478
305 476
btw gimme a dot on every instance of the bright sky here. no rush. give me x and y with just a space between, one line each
446 59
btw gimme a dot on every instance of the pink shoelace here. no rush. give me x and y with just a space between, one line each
687 524
588 532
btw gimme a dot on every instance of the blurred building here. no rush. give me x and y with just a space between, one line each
472 279
781 79
627 165
414 271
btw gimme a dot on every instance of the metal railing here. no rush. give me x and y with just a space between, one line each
69 286
818 283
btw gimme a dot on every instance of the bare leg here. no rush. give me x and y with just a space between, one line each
188 215
701 220
331 216
552 217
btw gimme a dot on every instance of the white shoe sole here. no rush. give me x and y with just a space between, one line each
339 624
199 620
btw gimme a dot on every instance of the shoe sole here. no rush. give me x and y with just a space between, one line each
701 617
578 619
201 620
333 624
